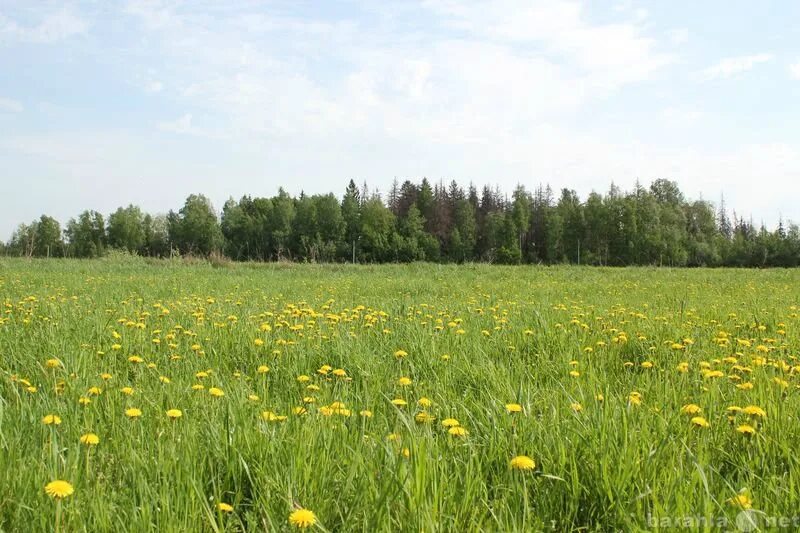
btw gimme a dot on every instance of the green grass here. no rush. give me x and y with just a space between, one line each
613 465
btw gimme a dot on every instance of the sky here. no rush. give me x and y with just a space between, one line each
106 103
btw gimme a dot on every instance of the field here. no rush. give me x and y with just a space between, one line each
395 398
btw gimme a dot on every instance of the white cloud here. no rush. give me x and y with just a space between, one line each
674 116
731 66
10 106
794 70
53 27
610 54
678 35
154 87
182 125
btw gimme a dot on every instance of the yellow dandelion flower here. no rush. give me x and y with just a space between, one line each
302 518
691 409
458 431
51 420
58 489
133 412
522 462
512 408
225 507
754 410
90 439
450 423
216 393
174 414
746 429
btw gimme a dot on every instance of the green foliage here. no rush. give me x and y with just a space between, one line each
646 226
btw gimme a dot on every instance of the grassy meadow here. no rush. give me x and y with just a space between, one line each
182 397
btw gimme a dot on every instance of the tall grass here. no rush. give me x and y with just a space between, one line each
612 465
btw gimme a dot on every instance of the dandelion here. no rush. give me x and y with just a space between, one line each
753 410
522 462
701 422
263 369
424 402
365 413
174 414
51 420
512 408
404 381
450 422
302 518
746 429
90 439
741 500
400 354
458 431
399 402
225 507
424 418
133 412
691 409
577 407
216 393
59 489
52 363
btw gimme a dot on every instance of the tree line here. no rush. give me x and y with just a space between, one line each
439 223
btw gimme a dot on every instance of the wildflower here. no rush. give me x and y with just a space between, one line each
691 409
701 422
215 392
126 390
424 418
399 402
302 518
303 378
400 354
754 411
450 422
365 413
512 408
424 402
404 381
458 431
263 369
225 507
83 400
52 363
174 414
340 373
90 439
133 412
746 429
522 462
683 367
741 500
58 489
94 391
51 420
576 407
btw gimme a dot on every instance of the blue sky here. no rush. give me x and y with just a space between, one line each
108 103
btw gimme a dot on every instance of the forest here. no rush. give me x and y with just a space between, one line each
436 223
